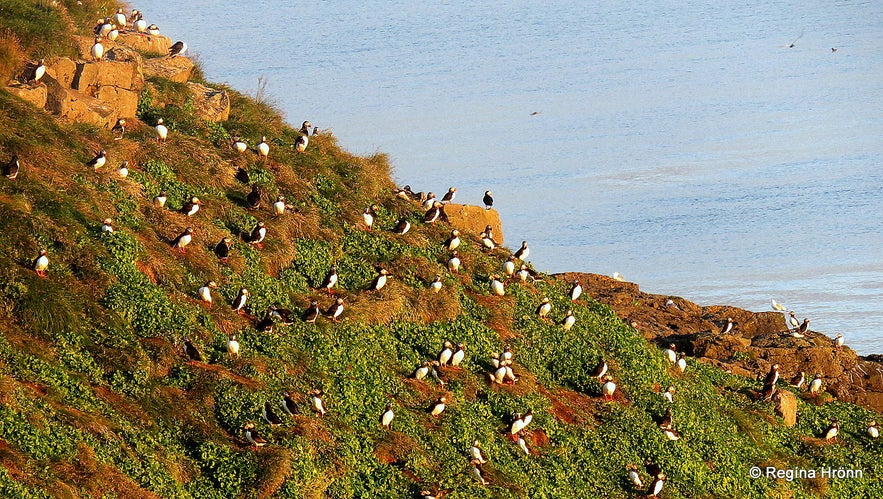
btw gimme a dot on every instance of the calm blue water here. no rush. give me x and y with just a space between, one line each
686 147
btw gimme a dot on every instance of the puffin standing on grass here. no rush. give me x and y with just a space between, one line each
832 430
682 363
191 351
335 310
222 249
509 266
522 252
436 285
312 312
449 196
436 409
159 201
544 308
453 242
656 485
569 320
316 401
288 405
600 370
608 388
162 132
119 128
97 49
279 205
475 452
387 416
239 302
459 355
180 243
576 290
454 262
258 234
123 170
815 385
497 286
445 356
379 281
270 416
12 168
671 353
368 217
233 346
264 149
41 263
873 431
253 198
798 380
402 227
330 280
191 207
252 436
205 292
98 161
238 144
634 477
300 143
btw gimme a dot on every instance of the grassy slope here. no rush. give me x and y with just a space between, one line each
95 397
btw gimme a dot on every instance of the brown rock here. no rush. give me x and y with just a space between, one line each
91 76
77 106
210 104
124 102
35 94
146 44
62 69
786 406
177 69
473 219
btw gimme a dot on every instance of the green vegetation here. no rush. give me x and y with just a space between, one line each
98 399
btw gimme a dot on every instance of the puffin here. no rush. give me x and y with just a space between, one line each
727 327
330 280
449 196
656 485
316 401
288 405
316 130
97 49
99 160
600 370
487 241
252 436
335 310
177 48
438 407
459 355
233 346
671 353
792 320
270 416
305 127
191 207
816 384
507 354
279 205
773 376
576 290
768 391
425 494
422 371
682 363
161 131
838 342
153 29
253 198
608 388
499 374
12 168
509 266
432 215
476 472
205 292
238 144
405 193
522 252
445 356
488 200
387 416
39 71
263 149
180 243
239 302
222 249
191 351
380 281
140 24
436 285
368 217
522 444
402 226
258 234
517 425
429 202
671 434
666 420
311 313
300 143
833 430
544 308
266 324
454 262
634 477
523 273
497 286
475 452
668 393
569 320
873 430
119 128
160 199
119 18
113 34
41 263
803 327
283 315
107 226
123 170
798 380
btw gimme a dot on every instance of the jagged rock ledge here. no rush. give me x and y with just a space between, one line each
756 343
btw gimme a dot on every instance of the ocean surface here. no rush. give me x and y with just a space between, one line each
690 148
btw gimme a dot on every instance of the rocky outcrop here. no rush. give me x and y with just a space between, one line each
146 44
177 69
210 104
757 341
786 406
33 93
473 219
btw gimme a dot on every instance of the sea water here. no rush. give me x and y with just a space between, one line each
722 152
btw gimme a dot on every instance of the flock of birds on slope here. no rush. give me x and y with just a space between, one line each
514 268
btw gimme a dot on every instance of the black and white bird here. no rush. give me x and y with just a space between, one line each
279 206
123 169
316 401
671 353
815 386
205 292
488 200
238 304
433 213
180 243
509 266
476 472
263 149
311 313
445 356
832 430
449 196
681 364
140 24
727 327
270 415
476 453
41 263
39 71
772 376
873 430
634 476
429 202
380 280
838 342
301 143
252 436
99 160
330 280
305 127
97 50
233 346
107 226
608 388
454 262
253 198
497 287
335 310
437 408
191 351
191 207
544 308
238 144
11 169
576 290
282 315
368 217
569 320
668 394
177 48
258 234
387 416
459 355
436 285
120 18
522 444
288 405
798 380
600 369
222 249
161 131
522 252
656 485
160 199
153 29
119 128
402 226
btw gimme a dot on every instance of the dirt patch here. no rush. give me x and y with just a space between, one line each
571 407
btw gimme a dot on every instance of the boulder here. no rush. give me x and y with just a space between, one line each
177 69
124 102
33 93
210 104
473 219
92 76
786 406
62 69
146 44
77 106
